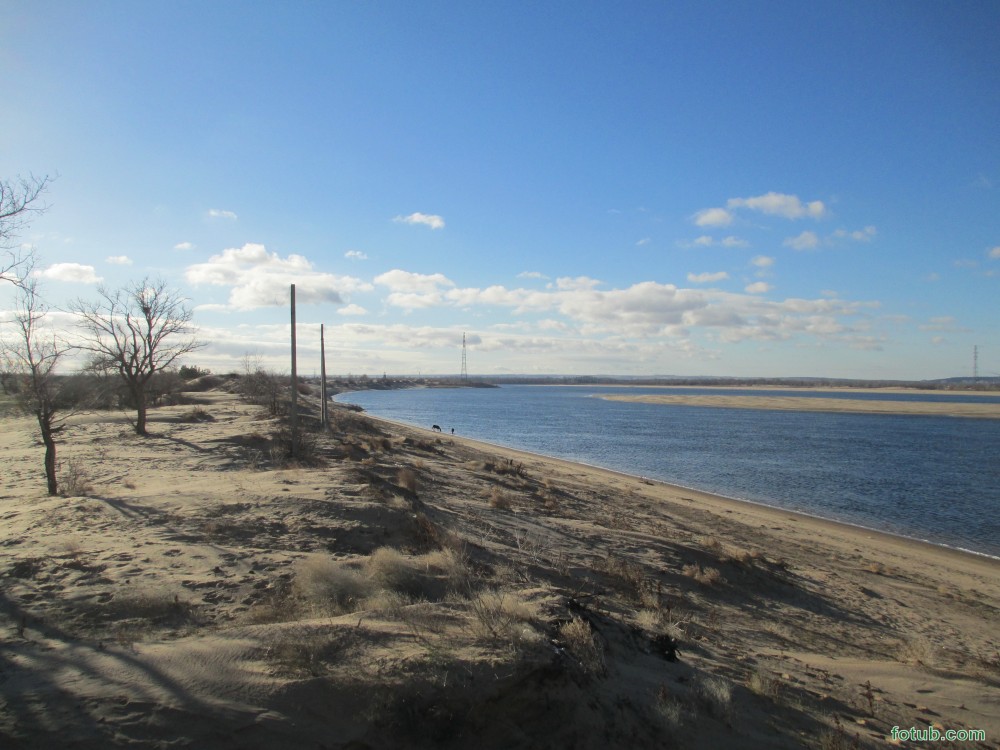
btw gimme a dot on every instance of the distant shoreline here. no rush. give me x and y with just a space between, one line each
804 403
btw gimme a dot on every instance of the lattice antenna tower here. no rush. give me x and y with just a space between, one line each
465 363
975 362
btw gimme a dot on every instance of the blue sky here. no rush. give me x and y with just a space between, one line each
755 189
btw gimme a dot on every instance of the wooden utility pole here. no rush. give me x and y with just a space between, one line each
295 384
323 413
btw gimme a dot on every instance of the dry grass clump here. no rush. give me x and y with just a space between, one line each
500 499
716 695
407 479
388 568
501 616
764 684
703 576
917 651
197 414
325 585
578 638
672 711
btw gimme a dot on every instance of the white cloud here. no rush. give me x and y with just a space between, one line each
355 255
643 241
531 275
184 246
411 291
758 287
733 241
713 217
430 220
119 260
705 278
780 204
859 235
352 309
804 241
216 213
994 253
704 241
762 261
261 279
75 273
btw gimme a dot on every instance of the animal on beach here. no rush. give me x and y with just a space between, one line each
436 428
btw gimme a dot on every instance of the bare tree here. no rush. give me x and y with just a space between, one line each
137 331
29 363
18 200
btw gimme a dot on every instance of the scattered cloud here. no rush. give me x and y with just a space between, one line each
216 213
804 241
933 277
713 217
119 260
75 273
706 278
531 275
762 261
352 309
937 340
994 253
779 204
943 323
733 241
258 278
758 287
411 291
965 263
184 246
355 255
430 220
643 241
704 241
860 235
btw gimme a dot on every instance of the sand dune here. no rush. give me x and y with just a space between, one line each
805 403
407 589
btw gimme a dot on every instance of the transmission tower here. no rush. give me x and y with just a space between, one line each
975 363
465 364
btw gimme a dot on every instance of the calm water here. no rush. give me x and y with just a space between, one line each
931 478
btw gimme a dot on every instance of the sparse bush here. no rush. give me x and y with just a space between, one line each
764 684
501 616
578 638
74 480
299 447
500 499
326 585
388 568
717 696
197 414
407 479
703 576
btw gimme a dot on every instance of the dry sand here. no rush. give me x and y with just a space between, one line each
805 403
418 590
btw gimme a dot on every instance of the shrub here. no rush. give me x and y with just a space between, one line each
500 499
578 638
324 584
74 480
704 576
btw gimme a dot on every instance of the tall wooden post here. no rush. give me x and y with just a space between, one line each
295 384
323 413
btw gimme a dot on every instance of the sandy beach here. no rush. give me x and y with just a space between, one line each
805 403
404 588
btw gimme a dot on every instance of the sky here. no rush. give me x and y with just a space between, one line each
630 188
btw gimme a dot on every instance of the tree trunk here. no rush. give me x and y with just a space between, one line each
50 454
140 411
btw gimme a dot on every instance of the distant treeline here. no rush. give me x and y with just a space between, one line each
982 384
